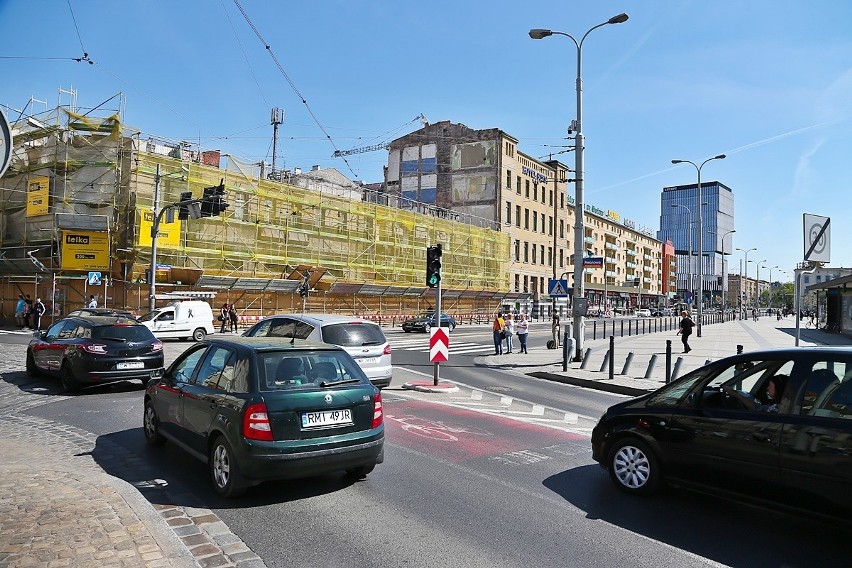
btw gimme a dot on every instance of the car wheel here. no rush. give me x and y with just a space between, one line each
406 330
32 370
69 381
224 471
427 327
151 425
634 468
452 327
199 334
360 472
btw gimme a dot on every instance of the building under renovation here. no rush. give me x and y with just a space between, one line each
83 193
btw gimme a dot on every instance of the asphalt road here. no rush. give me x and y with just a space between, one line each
498 474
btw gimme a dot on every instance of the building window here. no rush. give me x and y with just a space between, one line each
526 219
551 198
517 215
542 223
535 222
543 196
550 226
527 188
517 282
508 179
526 283
508 213
518 185
550 256
541 248
561 258
526 251
561 229
517 251
562 201
535 192
534 251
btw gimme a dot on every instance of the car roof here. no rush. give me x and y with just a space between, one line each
105 319
271 344
324 319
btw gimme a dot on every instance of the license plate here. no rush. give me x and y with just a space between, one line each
367 360
130 365
326 418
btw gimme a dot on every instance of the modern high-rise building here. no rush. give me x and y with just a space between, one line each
679 223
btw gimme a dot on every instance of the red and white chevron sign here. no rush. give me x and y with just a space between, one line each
439 345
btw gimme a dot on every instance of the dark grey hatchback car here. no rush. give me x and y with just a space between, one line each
773 427
259 408
89 349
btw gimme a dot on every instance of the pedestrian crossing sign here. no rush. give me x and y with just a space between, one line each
557 288
94 279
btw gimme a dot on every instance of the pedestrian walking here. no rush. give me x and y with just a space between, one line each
28 311
508 332
522 328
497 329
232 317
92 302
19 311
38 311
685 330
224 317
554 329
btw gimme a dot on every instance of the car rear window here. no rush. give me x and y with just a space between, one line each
285 370
129 333
352 334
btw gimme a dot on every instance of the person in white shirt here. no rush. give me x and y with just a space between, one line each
523 328
92 302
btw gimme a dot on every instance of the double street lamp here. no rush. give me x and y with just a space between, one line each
579 224
700 234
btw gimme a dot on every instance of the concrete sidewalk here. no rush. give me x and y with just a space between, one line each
718 340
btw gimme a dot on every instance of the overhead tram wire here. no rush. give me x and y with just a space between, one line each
85 56
245 55
290 82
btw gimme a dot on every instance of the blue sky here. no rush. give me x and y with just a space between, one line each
769 83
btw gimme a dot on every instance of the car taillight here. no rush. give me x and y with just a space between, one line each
256 424
378 414
96 348
387 350
157 346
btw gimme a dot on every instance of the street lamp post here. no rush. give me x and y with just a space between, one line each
724 270
700 234
757 283
745 251
579 225
689 261
770 283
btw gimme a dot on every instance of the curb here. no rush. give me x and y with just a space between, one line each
590 384
430 386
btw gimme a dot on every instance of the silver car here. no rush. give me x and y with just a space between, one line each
363 340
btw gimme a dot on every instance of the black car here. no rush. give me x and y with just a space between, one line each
260 408
95 349
720 428
426 321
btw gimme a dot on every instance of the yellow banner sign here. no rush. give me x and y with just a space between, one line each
85 250
38 196
168 234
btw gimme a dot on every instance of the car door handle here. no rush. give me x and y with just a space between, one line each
761 437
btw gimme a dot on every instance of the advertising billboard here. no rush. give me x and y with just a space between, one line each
38 196
85 250
168 235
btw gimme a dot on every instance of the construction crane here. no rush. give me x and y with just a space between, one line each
382 146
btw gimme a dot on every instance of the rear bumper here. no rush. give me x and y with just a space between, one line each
264 463
123 375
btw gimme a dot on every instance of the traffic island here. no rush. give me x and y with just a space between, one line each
430 386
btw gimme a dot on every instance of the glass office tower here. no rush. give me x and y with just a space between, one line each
679 223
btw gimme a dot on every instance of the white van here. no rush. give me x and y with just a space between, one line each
181 319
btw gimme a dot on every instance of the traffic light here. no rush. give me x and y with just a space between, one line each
183 208
213 201
433 265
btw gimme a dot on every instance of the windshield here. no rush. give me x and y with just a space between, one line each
282 370
129 333
353 334
149 316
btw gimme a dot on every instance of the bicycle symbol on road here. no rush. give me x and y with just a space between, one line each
434 429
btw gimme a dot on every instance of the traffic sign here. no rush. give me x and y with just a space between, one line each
439 345
557 288
5 143
593 261
817 238
94 279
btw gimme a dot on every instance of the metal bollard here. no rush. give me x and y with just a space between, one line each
668 360
739 349
604 363
568 347
678 363
622 328
651 364
627 362
611 356
586 358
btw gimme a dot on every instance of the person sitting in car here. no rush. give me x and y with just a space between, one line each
774 390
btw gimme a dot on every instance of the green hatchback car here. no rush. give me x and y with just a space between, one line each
259 409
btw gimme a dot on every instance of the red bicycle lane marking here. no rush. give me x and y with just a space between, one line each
458 435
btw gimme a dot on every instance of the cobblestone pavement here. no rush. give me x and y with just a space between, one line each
58 507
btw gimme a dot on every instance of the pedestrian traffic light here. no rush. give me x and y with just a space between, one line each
433 265
183 206
213 201
207 202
